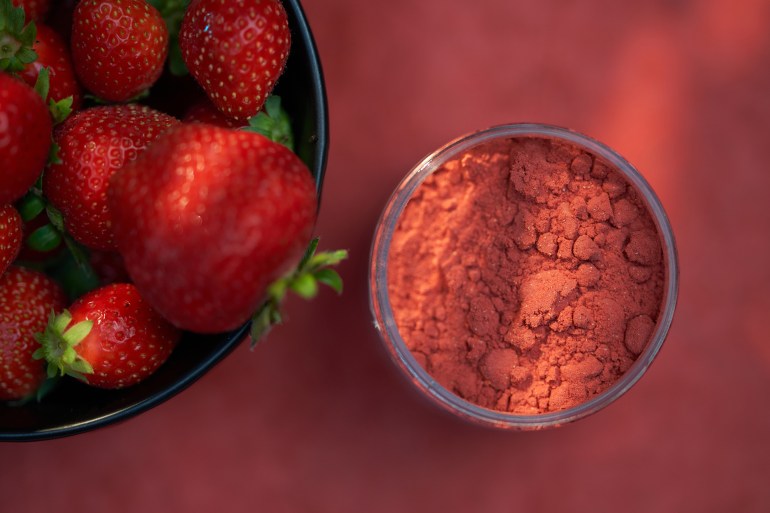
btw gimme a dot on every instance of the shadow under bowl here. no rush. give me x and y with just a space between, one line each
74 408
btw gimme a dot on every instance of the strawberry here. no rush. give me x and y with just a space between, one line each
236 50
206 218
34 9
53 53
110 338
26 300
10 236
93 144
25 137
118 47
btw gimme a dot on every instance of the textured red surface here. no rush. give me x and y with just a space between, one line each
318 420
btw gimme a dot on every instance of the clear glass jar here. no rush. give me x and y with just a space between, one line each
383 314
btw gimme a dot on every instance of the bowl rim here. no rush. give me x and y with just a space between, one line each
234 338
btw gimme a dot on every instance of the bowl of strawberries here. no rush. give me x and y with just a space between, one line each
161 164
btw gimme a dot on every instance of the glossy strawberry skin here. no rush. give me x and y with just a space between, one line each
53 53
93 144
26 301
33 9
128 341
206 218
236 50
25 137
10 236
118 47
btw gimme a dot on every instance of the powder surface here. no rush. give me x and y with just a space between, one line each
526 275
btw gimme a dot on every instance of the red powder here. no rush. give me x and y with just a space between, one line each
526 276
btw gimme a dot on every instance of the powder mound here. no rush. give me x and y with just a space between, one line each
605 316
533 175
544 295
624 213
638 333
526 275
483 320
599 207
586 249
590 367
498 366
644 248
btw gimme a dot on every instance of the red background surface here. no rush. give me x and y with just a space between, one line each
319 420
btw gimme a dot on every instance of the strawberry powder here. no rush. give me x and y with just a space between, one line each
526 276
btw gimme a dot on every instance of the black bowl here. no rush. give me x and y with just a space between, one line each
75 408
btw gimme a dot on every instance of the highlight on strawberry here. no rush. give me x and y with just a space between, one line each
128 219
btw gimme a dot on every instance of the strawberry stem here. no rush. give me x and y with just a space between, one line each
57 346
313 268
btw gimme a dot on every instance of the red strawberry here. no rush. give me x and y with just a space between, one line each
236 50
206 218
93 144
26 301
34 9
10 236
117 339
25 137
53 53
118 46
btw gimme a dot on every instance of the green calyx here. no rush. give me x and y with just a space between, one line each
273 122
312 270
16 38
57 346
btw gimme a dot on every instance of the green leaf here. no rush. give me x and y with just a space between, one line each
57 220
273 122
26 55
31 206
53 154
331 278
326 259
75 335
60 111
261 323
42 84
16 19
80 367
44 239
60 322
305 286
273 106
